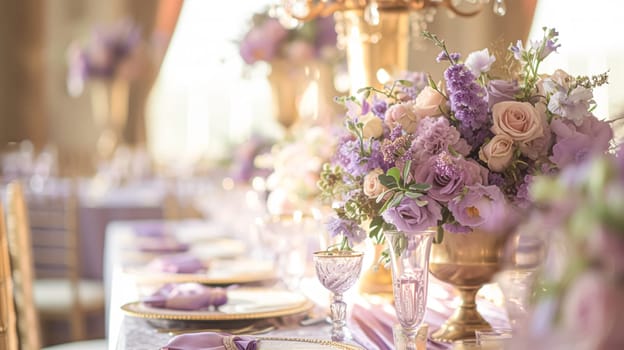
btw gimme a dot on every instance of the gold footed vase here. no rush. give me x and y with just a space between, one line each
376 280
466 261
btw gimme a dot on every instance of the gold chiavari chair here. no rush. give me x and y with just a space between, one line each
8 330
28 308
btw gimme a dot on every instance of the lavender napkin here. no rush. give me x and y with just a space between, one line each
163 245
210 341
186 296
178 263
149 229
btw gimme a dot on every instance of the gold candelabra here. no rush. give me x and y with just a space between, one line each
377 34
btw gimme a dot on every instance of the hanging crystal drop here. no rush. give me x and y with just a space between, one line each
371 13
500 8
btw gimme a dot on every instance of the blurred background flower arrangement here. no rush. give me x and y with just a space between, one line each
269 40
459 154
578 299
112 51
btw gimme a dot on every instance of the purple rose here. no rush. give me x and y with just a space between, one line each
480 207
449 175
575 143
501 90
409 217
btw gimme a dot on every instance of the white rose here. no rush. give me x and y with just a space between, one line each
372 185
373 126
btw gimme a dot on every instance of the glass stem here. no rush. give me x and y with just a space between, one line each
338 310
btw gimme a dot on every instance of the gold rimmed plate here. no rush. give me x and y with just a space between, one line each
278 343
219 272
243 304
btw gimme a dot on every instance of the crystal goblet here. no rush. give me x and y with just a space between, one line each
409 255
338 271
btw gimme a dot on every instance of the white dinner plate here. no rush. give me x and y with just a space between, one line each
243 304
219 272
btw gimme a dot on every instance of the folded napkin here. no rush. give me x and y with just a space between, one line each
149 229
178 263
186 296
163 245
210 341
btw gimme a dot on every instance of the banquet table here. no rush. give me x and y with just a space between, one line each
370 323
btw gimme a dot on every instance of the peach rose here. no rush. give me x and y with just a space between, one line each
518 120
428 102
402 114
373 126
372 185
498 152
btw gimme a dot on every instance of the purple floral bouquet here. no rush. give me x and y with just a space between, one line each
579 297
108 54
268 40
460 154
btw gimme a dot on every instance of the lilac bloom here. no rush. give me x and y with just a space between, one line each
442 56
410 217
449 175
518 50
380 106
350 229
435 135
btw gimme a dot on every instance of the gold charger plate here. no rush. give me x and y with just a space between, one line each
243 304
279 343
219 272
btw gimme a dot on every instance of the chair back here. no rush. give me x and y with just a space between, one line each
20 252
8 329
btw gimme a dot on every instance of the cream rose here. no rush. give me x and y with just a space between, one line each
428 102
498 152
373 126
402 114
518 120
372 185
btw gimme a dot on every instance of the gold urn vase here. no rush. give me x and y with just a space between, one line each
466 261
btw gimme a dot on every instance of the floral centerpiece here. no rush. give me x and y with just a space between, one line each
268 40
459 154
294 167
111 52
579 300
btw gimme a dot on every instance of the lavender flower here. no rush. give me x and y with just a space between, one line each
379 107
479 61
409 217
468 103
350 229
443 56
501 90
349 155
478 207
575 143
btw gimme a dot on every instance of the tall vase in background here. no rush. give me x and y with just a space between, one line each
287 82
109 103
409 255
467 262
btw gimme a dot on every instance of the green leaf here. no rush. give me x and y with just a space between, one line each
413 195
361 90
396 200
439 235
406 170
405 82
395 173
421 203
382 195
387 181
419 187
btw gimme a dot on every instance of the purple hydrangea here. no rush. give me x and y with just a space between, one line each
576 143
468 102
347 228
410 217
